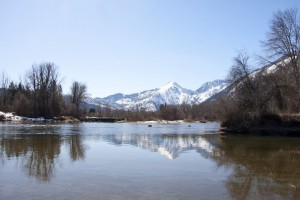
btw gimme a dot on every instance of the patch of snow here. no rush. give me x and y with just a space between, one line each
254 74
10 117
271 69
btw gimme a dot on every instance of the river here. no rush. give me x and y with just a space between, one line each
134 161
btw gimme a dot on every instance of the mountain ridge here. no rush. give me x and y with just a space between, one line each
150 100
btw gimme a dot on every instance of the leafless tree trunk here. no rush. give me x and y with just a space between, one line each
240 72
43 81
78 94
4 81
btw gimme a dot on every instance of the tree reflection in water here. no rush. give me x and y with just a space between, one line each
263 167
38 154
40 158
2 153
77 150
75 142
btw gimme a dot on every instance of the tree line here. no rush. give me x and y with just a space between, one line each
187 112
40 93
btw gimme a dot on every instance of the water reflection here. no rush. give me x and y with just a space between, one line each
168 145
76 147
35 153
38 155
262 166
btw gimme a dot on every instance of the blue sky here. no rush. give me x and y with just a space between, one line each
132 45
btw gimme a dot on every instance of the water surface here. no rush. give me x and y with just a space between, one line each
132 161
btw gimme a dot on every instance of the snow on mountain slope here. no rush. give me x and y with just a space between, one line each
209 89
171 93
150 100
115 97
211 85
266 70
97 102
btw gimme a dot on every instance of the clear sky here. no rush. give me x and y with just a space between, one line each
132 45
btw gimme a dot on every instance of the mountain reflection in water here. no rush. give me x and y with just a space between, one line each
260 167
168 145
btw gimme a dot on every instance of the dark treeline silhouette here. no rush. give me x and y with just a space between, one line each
268 97
40 94
203 112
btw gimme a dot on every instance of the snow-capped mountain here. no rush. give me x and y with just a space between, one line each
150 100
209 89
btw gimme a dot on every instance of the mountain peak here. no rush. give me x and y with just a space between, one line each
171 84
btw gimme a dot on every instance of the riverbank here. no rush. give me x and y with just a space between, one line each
270 124
11 117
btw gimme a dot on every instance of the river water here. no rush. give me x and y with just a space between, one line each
134 161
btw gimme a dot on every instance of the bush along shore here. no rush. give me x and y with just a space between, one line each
268 124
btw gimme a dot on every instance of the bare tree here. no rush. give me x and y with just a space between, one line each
240 71
43 80
252 96
78 94
283 38
282 44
